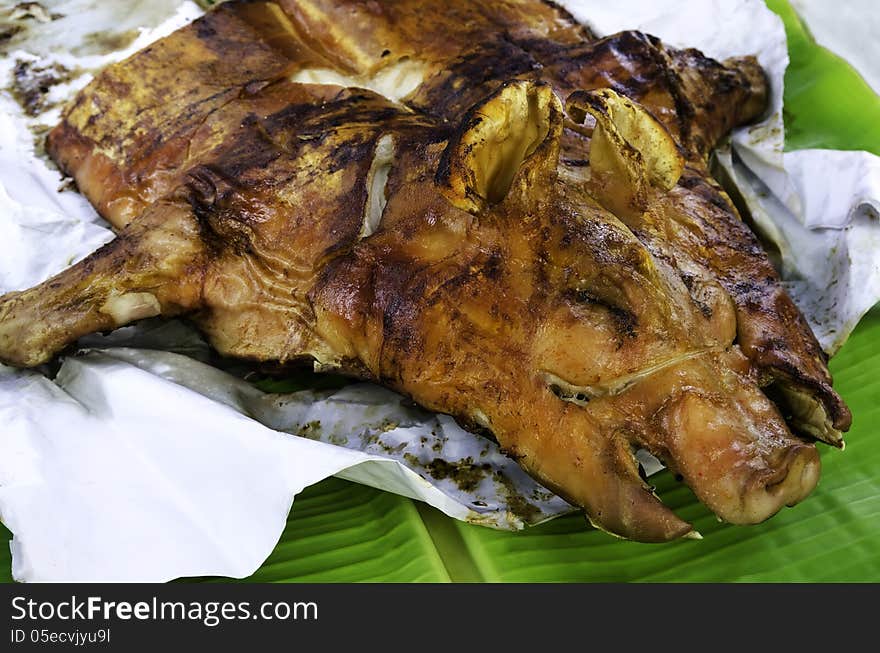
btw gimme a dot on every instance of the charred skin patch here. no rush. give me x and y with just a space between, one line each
473 76
32 82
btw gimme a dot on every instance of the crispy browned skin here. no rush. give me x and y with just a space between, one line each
568 277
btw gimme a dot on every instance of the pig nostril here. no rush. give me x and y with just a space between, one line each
792 472
791 479
804 475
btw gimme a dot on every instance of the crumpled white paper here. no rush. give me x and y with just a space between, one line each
139 464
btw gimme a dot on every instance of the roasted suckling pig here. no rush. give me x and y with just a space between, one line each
480 205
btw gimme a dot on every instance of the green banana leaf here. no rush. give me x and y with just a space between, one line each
827 104
342 532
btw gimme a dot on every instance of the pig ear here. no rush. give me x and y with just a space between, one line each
630 151
507 144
